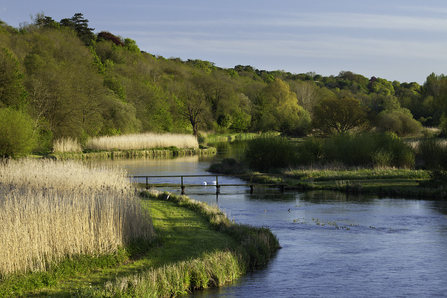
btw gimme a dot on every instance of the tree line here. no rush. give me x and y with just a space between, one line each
63 80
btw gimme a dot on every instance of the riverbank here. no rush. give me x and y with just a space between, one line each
215 137
196 247
382 181
150 153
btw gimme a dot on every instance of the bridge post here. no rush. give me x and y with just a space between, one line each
182 186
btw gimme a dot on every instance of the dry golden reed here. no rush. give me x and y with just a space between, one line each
50 210
143 141
66 145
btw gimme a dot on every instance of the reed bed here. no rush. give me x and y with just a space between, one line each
66 145
51 210
143 141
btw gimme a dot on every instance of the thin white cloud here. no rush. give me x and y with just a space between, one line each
307 20
362 21
430 9
300 46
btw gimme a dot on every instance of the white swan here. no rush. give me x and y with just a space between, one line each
203 183
214 183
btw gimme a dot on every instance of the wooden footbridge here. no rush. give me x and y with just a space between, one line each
215 183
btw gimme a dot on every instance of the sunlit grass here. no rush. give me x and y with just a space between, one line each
66 145
51 210
142 141
334 172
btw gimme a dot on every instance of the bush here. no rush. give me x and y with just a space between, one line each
266 153
16 133
398 122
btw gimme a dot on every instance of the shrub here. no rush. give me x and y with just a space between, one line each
16 133
400 122
266 153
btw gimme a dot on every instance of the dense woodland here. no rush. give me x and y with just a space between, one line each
59 79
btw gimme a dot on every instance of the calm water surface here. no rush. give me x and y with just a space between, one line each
334 245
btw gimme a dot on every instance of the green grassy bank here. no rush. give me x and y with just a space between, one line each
385 182
216 137
161 152
196 247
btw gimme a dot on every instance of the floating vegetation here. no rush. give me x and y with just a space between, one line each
334 224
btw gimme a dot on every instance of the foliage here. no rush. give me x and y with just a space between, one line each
104 35
80 25
280 110
337 115
12 92
434 152
367 149
266 153
400 122
17 136
76 84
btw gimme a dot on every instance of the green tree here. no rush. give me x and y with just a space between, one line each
131 45
279 110
12 92
340 114
194 107
16 133
382 87
80 25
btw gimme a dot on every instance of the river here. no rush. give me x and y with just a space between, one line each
333 245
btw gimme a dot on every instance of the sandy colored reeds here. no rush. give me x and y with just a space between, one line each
66 145
50 210
143 141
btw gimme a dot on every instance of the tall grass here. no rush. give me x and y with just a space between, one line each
142 141
66 145
378 150
368 149
434 152
265 153
51 210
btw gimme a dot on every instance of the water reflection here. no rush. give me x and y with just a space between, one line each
334 244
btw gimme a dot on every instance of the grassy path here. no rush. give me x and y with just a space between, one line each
185 234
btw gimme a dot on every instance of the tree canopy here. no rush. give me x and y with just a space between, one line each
74 83
340 115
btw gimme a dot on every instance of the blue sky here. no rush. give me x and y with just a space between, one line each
401 40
